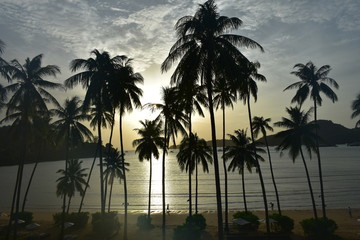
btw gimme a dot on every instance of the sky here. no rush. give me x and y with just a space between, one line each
326 32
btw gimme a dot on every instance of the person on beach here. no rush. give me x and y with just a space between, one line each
272 206
350 214
167 209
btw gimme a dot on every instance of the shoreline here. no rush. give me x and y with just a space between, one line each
348 227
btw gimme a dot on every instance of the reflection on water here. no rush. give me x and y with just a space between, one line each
340 170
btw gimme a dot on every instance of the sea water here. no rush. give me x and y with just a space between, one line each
340 167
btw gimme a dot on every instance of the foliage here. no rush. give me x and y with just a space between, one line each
319 229
25 216
197 220
283 224
79 219
187 231
105 224
144 222
250 217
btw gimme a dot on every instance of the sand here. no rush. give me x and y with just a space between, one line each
348 227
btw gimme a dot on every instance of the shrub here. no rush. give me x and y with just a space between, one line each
105 224
144 223
197 220
283 224
250 217
25 216
79 219
319 229
187 231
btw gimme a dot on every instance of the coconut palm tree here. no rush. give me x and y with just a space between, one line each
71 181
193 151
204 44
3 63
242 154
174 121
313 82
224 96
261 124
299 132
96 75
114 169
125 95
356 108
28 101
147 146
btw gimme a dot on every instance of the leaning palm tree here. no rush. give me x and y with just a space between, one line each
299 133
96 75
260 124
224 96
29 100
314 81
147 146
356 108
204 45
174 121
242 154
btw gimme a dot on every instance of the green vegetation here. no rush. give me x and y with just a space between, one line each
79 219
105 224
250 217
144 222
283 224
319 229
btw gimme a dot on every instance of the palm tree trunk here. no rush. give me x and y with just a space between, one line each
68 206
62 228
88 180
163 180
110 193
190 200
124 172
108 151
225 173
243 188
319 164
102 197
309 183
259 170
149 201
272 176
214 149
196 187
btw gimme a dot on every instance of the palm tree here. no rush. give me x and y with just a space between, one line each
224 96
204 45
3 63
299 132
242 154
96 75
261 125
29 100
356 108
313 81
125 95
192 152
72 180
148 145
174 119
114 169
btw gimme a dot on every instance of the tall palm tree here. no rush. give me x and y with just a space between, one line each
174 121
204 44
313 82
261 124
147 146
114 169
29 100
242 154
194 151
96 75
72 180
3 63
299 132
224 96
125 95
356 108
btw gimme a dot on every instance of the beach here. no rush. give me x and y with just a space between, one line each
348 227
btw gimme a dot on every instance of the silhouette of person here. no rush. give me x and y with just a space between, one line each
167 209
272 206
350 214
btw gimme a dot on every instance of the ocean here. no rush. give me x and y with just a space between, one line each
341 175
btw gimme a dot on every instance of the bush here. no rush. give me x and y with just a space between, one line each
25 216
79 219
250 217
197 220
319 229
105 224
144 223
187 231
283 224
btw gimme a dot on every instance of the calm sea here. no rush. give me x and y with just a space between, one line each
341 174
